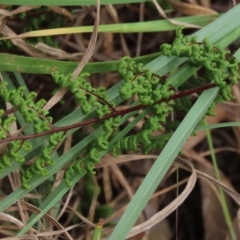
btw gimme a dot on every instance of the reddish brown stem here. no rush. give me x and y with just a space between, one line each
113 114
101 100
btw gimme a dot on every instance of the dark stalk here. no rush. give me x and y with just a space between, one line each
113 114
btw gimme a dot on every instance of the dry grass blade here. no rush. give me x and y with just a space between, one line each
109 160
238 219
52 233
94 200
80 216
63 210
24 237
30 207
113 13
61 11
43 234
8 218
6 31
205 3
16 11
234 2
140 35
117 172
55 53
180 162
168 189
92 43
93 206
162 13
107 185
5 13
31 51
170 208
191 9
218 150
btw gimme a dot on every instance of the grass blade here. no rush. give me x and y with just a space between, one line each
162 164
68 3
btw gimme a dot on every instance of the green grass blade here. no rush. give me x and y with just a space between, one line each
13 63
160 65
178 78
156 66
97 232
49 202
178 139
61 162
19 117
68 3
219 125
72 118
162 164
223 200
136 27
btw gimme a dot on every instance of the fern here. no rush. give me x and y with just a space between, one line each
153 92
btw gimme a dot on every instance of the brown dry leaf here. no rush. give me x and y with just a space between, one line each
221 114
191 9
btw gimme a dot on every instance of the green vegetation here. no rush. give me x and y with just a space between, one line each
161 87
